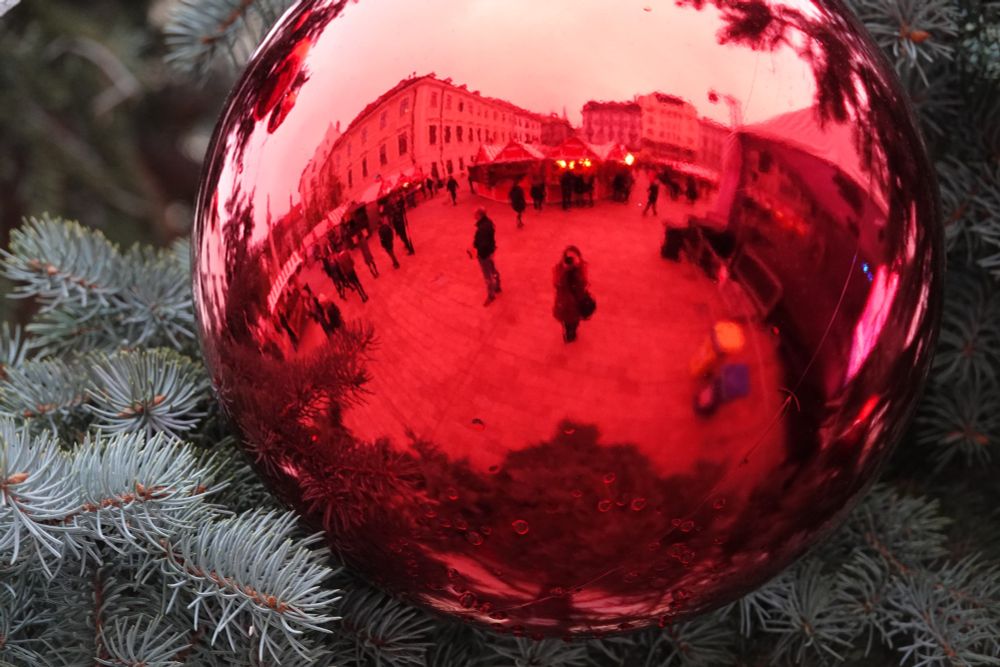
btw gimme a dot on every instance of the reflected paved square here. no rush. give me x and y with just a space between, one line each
448 369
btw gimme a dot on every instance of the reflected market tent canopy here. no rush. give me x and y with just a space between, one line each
515 151
411 177
574 149
690 169
334 217
831 142
312 239
487 153
380 188
612 152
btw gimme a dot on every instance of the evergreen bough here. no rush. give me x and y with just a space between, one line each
133 532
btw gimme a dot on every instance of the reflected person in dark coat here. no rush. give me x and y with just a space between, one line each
401 224
569 277
345 261
518 202
538 194
485 245
385 237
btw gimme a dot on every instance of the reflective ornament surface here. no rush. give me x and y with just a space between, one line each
568 317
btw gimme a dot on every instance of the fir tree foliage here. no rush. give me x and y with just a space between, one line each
135 508
523 652
92 295
132 531
898 27
202 31
155 391
116 551
13 347
377 629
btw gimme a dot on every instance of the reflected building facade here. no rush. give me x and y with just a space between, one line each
427 125
613 122
321 188
712 138
660 126
555 130
670 127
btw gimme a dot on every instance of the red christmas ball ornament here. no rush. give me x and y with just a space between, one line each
566 319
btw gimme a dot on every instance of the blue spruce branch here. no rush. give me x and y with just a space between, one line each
153 391
203 32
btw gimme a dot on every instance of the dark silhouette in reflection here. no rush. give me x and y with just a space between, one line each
346 264
652 195
538 194
385 239
566 185
332 268
485 245
573 301
518 202
397 213
720 415
361 240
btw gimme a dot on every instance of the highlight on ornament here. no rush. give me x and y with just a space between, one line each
565 319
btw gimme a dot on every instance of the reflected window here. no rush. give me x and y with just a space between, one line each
459 133
383 120
479 134
364 167
447 134
450 167
461 106
433 134
434 171
434 99
404 106
383 158
461 164
403 144
447 102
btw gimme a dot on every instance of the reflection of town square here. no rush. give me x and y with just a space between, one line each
494 379
487 459
708 384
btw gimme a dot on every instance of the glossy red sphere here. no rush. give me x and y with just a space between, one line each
567 317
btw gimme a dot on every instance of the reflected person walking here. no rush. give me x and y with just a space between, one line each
485 245
573 301
385 239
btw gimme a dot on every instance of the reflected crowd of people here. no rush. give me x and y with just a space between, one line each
572 299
